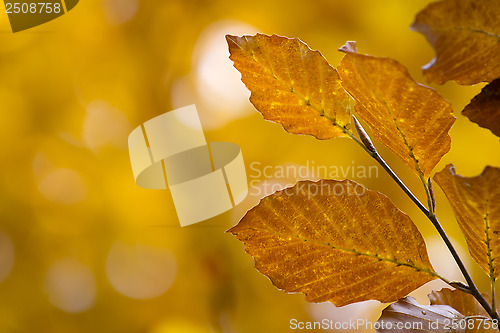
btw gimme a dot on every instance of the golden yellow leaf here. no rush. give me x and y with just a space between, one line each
410 119
484 109
335 241
476 203
291 84
448 312
466 37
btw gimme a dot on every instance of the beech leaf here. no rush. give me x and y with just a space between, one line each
466 37
484 109
410 119
413 317
463 302
291 84
450 311
476 203
335 241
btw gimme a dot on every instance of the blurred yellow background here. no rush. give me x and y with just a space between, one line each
83 249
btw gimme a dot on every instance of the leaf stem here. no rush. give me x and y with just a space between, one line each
432 217
493 296
391 173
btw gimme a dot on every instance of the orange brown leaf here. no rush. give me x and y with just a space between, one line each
476 203
335 241
463 302
410 119
466 37
291 84
449 312
484 109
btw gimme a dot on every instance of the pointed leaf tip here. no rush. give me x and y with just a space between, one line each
230 38
484 109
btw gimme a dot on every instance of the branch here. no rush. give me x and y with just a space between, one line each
368 146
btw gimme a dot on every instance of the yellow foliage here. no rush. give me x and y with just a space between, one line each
71 216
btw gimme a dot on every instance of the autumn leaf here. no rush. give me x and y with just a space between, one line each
413 317
291 84
450 311
476 203
335 241
410 119
466 37
484 109
463 302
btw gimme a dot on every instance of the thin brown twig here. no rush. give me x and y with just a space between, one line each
430 215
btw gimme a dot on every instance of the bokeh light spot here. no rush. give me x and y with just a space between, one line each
120 11
105 126
71 285
214 85
140 271
63 186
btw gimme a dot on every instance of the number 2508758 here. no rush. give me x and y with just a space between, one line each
32 7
